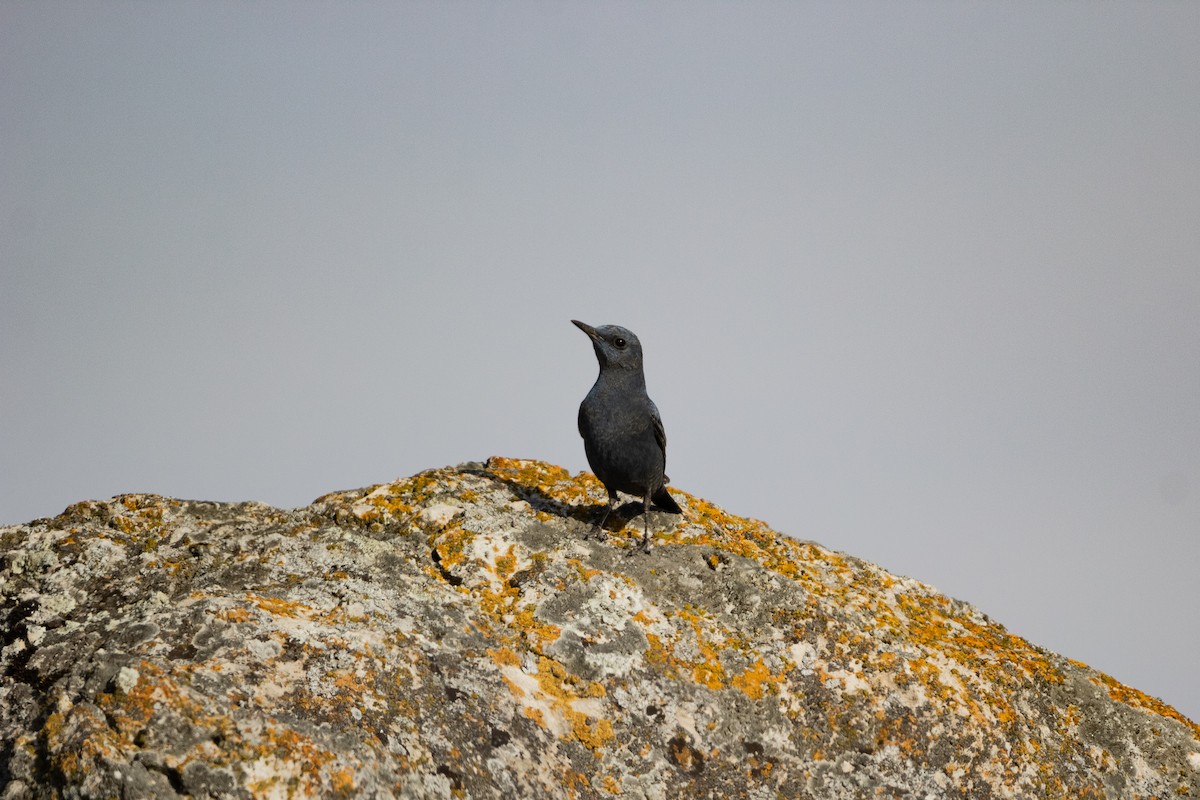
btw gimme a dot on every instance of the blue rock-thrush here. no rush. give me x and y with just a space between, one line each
622 431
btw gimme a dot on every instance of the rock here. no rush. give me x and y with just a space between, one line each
454 635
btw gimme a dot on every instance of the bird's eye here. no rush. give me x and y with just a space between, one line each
619 342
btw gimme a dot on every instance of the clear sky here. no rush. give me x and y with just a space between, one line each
918 281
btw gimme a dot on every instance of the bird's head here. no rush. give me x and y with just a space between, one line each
616 347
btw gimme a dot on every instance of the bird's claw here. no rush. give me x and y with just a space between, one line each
642 546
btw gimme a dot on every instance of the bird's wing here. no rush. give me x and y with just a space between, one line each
660 433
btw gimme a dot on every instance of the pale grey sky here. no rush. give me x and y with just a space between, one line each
919 281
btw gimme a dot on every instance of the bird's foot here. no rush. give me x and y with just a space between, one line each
644 544
598 532
643 547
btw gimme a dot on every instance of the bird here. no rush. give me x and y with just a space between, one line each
622 431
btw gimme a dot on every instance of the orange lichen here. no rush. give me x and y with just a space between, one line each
504 657
451 543
560 687
393 502
592 735
77 756
342 782
353 683
131 710
585 573
756 680
709 671
280 607
564 696
293 748
991 659
498 599
340 616
576 782
238 614
554 481
659 657
1138 699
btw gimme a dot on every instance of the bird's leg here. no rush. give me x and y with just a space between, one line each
608 509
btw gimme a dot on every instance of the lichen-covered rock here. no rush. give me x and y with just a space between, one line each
456 634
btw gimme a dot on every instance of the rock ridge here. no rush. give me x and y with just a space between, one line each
455 635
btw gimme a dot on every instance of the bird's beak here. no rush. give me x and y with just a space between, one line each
588 329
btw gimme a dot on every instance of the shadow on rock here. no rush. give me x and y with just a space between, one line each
541 501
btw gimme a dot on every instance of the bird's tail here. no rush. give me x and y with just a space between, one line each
662 498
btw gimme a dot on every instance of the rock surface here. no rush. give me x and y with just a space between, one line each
456 635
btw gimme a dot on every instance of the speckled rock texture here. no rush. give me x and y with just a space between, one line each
457 635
